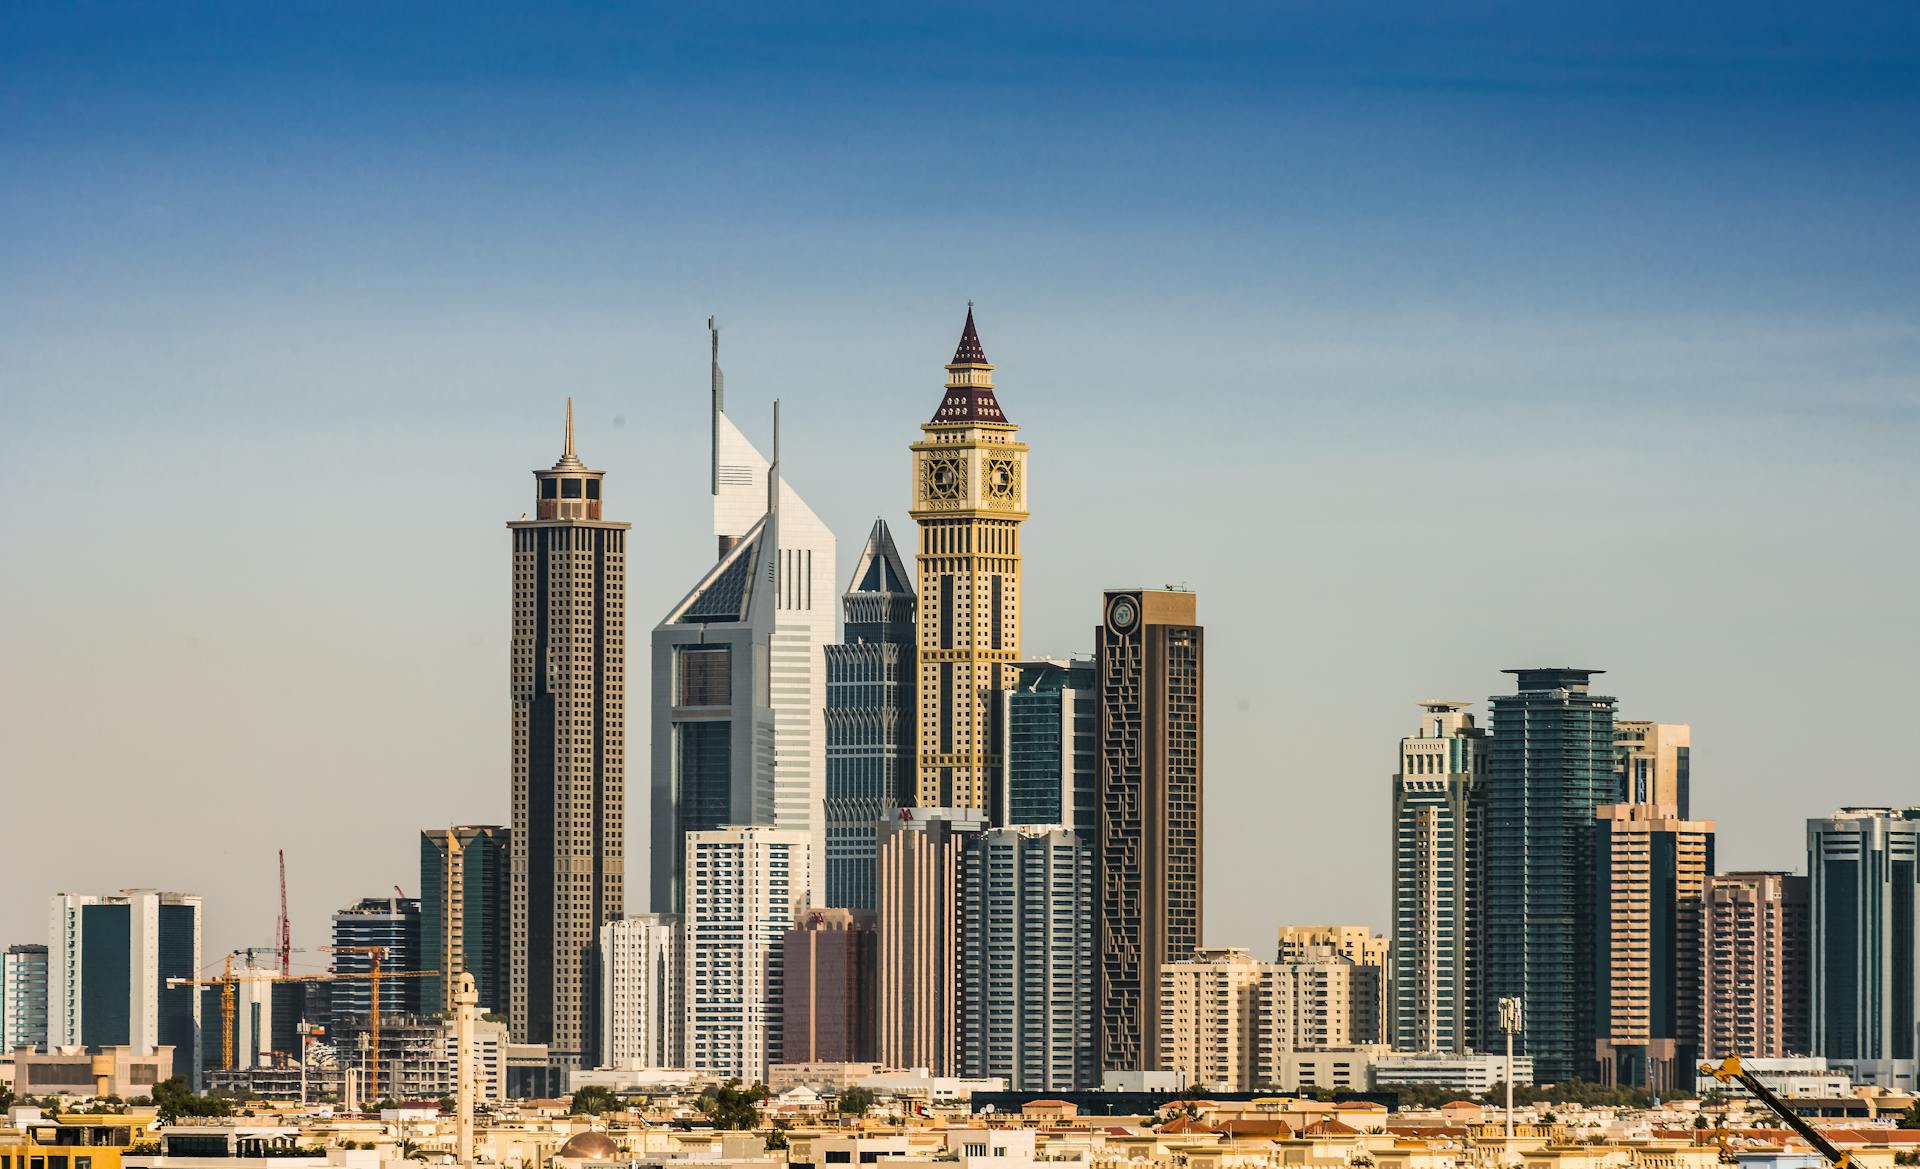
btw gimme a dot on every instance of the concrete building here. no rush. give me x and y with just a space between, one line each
568 687
1651 872
393 924
1230 1023
642 1014
745 888
1754 986
1149 669
870 718
831 964
918 913
969 498
1049 760
23 997
114 1069
109 959
1435 831
1654 762
1804 1076
1863 866
1468 1074
1026 958
1356 943
464 902
1550 767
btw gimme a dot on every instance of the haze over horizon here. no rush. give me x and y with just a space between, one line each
1420 344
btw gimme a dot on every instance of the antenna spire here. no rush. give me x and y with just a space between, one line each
773 469
568 453
717 387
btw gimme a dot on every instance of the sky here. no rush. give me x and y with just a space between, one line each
1420 341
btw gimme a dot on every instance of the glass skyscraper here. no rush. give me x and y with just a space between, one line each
1434 837
1049 765
1863 864
1550 767
464 906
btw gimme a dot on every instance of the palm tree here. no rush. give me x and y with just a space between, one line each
411 1151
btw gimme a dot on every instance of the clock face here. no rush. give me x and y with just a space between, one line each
1003 478
942 478
1122 615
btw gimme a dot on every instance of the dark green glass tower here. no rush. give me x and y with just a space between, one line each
1551 764
463 913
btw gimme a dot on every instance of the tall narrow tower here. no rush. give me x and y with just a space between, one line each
569 694
969 497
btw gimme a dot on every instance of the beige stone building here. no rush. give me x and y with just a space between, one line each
1364 949
1754 982
1655 763
1231 1023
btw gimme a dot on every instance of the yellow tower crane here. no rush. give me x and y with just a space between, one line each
375 973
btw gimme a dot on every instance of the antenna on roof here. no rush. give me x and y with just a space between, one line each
773 468
717 386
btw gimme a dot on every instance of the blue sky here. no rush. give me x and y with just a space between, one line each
1421 341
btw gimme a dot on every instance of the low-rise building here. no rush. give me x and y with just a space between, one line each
1467 1074
119 1070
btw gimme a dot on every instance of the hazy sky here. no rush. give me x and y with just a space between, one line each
1420 341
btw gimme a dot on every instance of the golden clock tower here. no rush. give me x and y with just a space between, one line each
969 496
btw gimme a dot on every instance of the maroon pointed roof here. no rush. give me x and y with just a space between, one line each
969 352
969 403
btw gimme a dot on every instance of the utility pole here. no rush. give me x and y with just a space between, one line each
1510 1024
466 998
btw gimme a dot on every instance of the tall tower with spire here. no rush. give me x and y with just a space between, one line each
969 498
569 698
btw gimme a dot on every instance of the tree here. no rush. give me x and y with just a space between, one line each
593 1100
411 1152
174 1099
6 1097
855 1102
777 1139
1911 1117
731 1106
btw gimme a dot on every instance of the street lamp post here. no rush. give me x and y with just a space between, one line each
1510 1024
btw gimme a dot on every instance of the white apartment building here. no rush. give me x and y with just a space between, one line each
745 887
1231 1023
641 1012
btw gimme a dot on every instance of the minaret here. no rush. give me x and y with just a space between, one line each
969 497
568 690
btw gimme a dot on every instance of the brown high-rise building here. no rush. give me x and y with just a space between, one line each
918 910
1148 671
1754 995
830 962
969 498
569 698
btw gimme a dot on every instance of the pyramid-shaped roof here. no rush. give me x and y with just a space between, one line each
880 569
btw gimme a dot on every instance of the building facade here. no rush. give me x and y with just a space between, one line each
642 1015
23 997
969 499
831 963
1048 727
109 958
1231 1023
393 925
1550 767
1026 959
1149 668
745 888
1754 988
870 718
918 913
1651 870
464 903
1368 954
1863 864
568 686
1655 763
1435 834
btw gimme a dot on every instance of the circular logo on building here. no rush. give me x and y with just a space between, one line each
1122 615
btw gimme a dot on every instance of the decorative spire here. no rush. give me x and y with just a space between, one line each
969 352
568 460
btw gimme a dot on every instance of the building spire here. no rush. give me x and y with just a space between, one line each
773 468
568 460
717 389
969 352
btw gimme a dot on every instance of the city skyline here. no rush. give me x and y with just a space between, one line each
1725 386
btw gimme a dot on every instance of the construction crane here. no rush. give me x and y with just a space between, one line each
285 936
374 973
1729 1071
226 983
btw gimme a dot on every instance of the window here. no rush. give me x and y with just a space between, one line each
570 488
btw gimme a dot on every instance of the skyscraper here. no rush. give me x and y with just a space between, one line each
1655 761
1434 837
1149 671
23 997
745 887
830 965
1026 959
918 912
739 670
1550 767
393 924
569 700
1863 864
969 498
464 903
1754 989
642 1016
1650 873
1049 766
108 961
870 718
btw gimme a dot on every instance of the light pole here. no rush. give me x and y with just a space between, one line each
1509 1023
